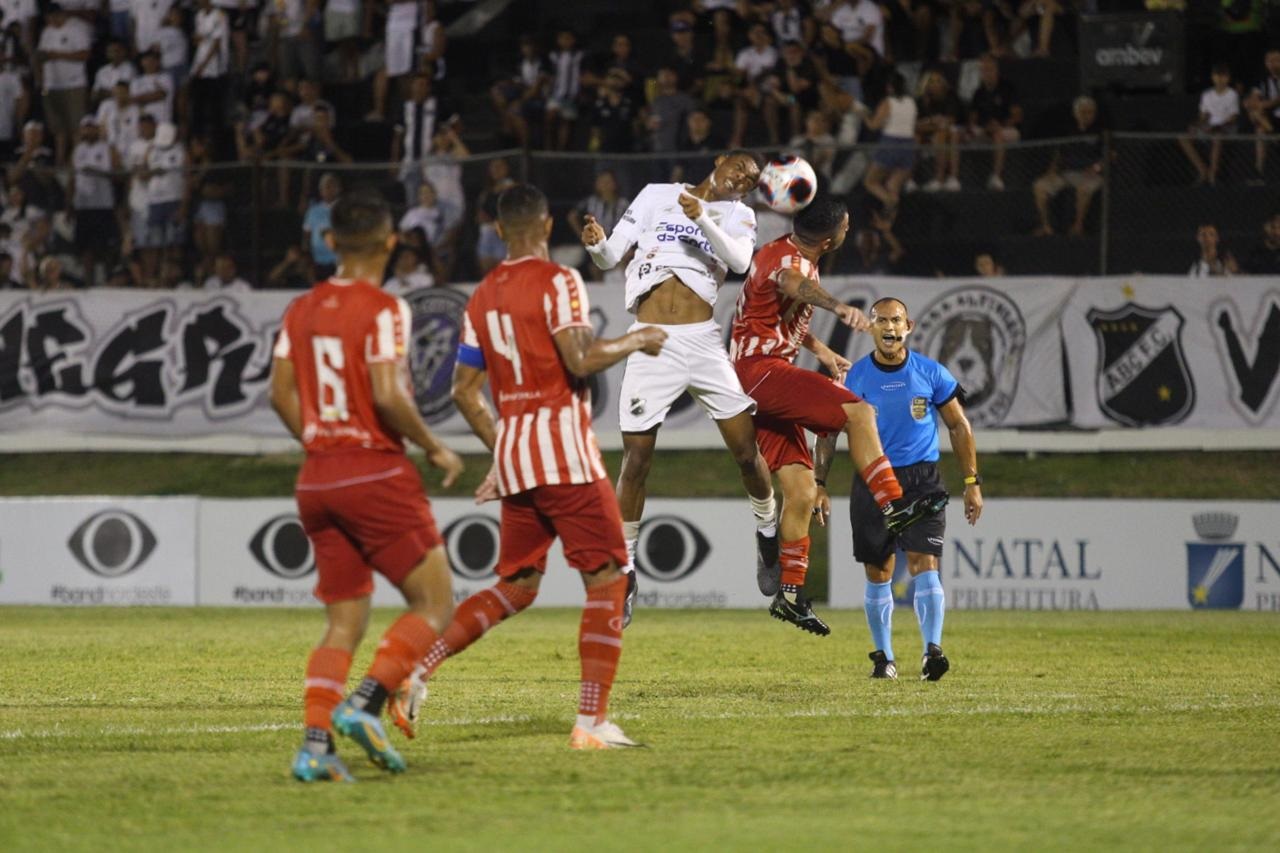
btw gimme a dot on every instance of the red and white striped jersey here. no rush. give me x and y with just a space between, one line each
332 333
544 411
766 322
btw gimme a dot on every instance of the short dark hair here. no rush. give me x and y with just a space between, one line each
359 219
1220 68
819 219
742 152
521 204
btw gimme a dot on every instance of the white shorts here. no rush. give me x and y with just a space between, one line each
693 359
399 50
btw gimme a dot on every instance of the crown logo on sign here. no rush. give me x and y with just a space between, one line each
1215 525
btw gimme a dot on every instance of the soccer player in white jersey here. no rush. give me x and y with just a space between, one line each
687 238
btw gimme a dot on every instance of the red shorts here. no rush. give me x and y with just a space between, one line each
790 400
363 511
585 517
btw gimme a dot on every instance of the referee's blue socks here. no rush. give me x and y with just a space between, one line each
879 607
931 607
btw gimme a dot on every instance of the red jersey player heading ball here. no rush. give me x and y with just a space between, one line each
339 381
528 334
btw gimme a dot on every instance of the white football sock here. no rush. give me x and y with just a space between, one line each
766 513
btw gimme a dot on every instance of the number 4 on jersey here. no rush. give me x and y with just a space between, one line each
502 334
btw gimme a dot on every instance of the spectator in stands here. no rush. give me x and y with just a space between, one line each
701 138
409 272
167 199
210 73
792 87
50 275
1038 16
974 29
432 42
938 122
120 277
243 16
1265 257
292 39
607 204
402 22
439 221
316 223
15 102
140 239
443 169
909 29
147 17
62 54
878 250
175 52
490 250
720 60
788 21
172 277
226 278
843 81
342 26
816 144
753 65
1077 164
1263 107
7 281
256 95
33 169
986 265
995 116
861 26
117 68
93 197
1215 259
36 245
684 56
563 92
302 117
208 189
1219 112
666 114
520 98
895 156
613 116
152 90
293 271
118 119
621 57
424 114
319 146
274 141
119 22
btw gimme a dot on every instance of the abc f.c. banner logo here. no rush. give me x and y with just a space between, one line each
670 548
112 543
1143 378
472 545
1215 569
281 547
978 334
437 327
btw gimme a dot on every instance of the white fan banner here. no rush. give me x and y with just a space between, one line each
1167 352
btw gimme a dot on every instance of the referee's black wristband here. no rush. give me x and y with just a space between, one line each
822 483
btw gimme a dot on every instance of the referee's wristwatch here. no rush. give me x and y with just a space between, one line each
973 480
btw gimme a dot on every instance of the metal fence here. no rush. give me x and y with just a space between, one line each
1143 197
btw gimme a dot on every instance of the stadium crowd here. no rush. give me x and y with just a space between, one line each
132 130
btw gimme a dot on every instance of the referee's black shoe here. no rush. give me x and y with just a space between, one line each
768 569
934 664
902 513
799 614
881 666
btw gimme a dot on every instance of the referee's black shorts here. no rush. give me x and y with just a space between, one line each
872 543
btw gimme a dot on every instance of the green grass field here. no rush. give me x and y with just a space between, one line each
173 729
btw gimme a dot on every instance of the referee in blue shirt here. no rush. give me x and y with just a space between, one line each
906 389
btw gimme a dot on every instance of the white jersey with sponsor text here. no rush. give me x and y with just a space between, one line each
669 243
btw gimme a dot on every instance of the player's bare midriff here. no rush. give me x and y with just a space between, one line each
672 303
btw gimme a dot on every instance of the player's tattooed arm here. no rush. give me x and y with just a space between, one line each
397 410
468 396
584 354
794 285
284 395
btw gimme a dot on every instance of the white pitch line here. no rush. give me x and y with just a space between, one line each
799 713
